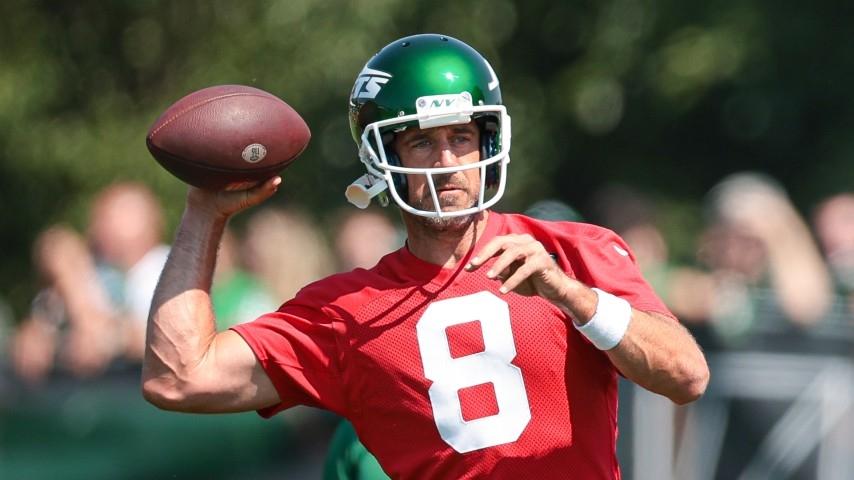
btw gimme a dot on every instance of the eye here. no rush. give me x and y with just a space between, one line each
420 143
461 139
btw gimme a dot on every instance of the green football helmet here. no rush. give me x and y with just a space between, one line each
426 81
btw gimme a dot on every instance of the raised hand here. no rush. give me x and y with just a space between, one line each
523 266
223 204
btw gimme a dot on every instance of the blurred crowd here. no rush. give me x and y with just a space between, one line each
762 275
89 316
766 290
91 311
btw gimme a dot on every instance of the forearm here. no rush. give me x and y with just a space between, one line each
73 275
656 352
660 355
92 327
181 324
85 301
652 350
800 276
188 366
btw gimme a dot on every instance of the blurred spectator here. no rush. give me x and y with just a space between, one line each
687 291
70 322
765 265
348 459
362 237
126 232
633 216
834 227
764 284
6 331
94 306
276 237
554 210
237 295
6 319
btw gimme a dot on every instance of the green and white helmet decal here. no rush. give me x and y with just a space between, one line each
426 81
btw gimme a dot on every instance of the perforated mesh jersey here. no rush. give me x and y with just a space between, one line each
396 350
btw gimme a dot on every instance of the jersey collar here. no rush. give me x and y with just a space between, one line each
422 271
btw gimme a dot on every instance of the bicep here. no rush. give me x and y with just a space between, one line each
233 378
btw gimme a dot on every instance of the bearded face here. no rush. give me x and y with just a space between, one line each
446 146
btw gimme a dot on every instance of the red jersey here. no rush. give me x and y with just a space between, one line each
444 377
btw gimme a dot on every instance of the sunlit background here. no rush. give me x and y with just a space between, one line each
667 97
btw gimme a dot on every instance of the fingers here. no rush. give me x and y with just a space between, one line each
259 193
515 281
518 261
243 199
512 254
224 203
496 246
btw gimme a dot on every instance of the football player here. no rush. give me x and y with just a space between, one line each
488 346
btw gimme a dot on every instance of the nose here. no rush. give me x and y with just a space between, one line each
447 157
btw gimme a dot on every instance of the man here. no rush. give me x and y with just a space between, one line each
834 227
91 315
479 349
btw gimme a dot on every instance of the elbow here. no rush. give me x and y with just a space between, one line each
693 385
167 395
162 395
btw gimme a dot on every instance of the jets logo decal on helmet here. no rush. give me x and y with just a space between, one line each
369 82
493 83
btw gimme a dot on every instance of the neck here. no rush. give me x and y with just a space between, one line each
444 241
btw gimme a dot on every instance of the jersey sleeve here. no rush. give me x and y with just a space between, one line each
607 263
297 349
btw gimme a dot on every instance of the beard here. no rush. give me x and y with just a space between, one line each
447 224
425 202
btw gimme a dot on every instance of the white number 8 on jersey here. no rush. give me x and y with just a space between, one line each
492 365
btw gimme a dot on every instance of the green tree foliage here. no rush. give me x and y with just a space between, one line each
666 95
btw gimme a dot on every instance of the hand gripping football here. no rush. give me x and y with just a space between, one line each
227 137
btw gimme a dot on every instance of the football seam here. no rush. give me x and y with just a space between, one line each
196 105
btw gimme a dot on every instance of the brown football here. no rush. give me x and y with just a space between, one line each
227 137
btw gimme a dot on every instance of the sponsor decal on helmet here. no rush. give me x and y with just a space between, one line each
369 83
436 110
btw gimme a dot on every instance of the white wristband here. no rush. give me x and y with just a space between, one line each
609 324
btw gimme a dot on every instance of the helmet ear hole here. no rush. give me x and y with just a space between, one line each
489 147
399 179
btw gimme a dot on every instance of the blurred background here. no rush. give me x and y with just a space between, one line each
716 137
